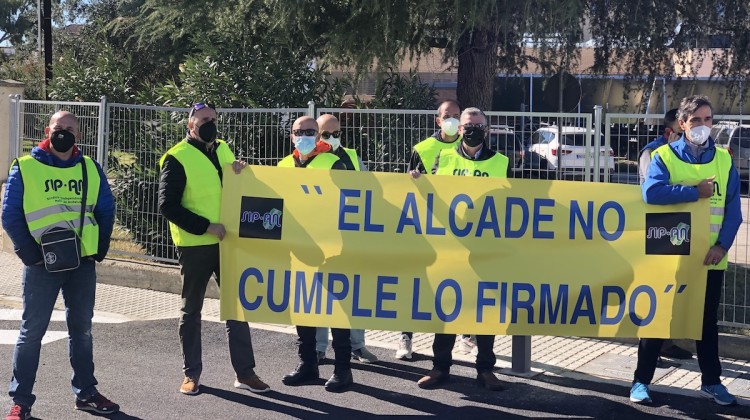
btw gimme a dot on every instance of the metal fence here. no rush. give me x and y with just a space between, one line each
129 141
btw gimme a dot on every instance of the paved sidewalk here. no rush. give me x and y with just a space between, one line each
572 357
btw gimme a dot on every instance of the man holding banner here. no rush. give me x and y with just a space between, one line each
422 156
310 152
190 186
470 158
687 170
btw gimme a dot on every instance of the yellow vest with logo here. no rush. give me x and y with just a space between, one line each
52 198
429 148
321 161
684 173
452 163
202 194
353 156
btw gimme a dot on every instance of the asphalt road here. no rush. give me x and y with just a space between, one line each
138 366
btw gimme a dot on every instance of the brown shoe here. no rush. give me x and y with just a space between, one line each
252 384
190 385
489 381
433 379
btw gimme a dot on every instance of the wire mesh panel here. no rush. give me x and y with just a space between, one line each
259 136
35 116
138 138
628 134
383 137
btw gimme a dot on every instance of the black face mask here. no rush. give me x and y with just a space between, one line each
473 137
62 140
207 132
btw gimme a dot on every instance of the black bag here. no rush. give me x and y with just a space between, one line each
61 247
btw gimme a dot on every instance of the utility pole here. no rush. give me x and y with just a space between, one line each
47 27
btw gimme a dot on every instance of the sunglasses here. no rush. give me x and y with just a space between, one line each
198 106
327 134
474 126
307 132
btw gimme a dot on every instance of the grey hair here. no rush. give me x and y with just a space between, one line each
472 111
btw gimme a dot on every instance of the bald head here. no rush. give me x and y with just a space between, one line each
329 123
63 120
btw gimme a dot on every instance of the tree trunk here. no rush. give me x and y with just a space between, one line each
477 67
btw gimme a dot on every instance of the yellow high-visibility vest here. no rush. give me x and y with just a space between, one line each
202 194
52 199
681 172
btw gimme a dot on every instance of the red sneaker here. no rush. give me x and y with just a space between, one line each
19 412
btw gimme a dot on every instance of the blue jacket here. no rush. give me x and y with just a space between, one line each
14 218
655 144
657 189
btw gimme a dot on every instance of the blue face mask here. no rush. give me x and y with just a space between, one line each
304 144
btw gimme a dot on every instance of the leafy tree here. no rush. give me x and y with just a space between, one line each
17 20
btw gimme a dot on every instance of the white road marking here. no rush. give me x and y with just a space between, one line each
11 336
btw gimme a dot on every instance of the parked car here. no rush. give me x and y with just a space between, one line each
503 140
546 151
735 137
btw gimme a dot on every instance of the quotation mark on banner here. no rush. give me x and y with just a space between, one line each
307 190
679 289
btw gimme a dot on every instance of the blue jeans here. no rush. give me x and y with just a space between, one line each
321 338
40 290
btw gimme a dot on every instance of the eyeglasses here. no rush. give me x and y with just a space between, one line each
327 134
474 126
198 106
307 132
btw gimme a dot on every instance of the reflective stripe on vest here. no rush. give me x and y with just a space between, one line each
429 148
684 173
452 163
353 157
202 194
52 198
321 161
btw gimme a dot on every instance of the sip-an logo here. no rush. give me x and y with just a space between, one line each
668 233
55 184
261 217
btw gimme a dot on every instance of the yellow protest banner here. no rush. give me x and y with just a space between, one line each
459 255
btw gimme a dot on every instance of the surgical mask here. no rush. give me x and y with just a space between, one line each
304 144
334 142
449 126
473 137
699 135
62 140
207 132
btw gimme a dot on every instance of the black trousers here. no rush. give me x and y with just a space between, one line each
442 348
707 346
197 263
342 347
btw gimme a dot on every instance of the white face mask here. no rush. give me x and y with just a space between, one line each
334 142
699 135
449 126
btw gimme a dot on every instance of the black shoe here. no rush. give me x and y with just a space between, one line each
675 352
340 381
304 372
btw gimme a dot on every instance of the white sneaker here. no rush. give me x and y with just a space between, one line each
468 344
364 355
404 348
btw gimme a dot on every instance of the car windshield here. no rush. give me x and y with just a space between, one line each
742 136
502 141
578 139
